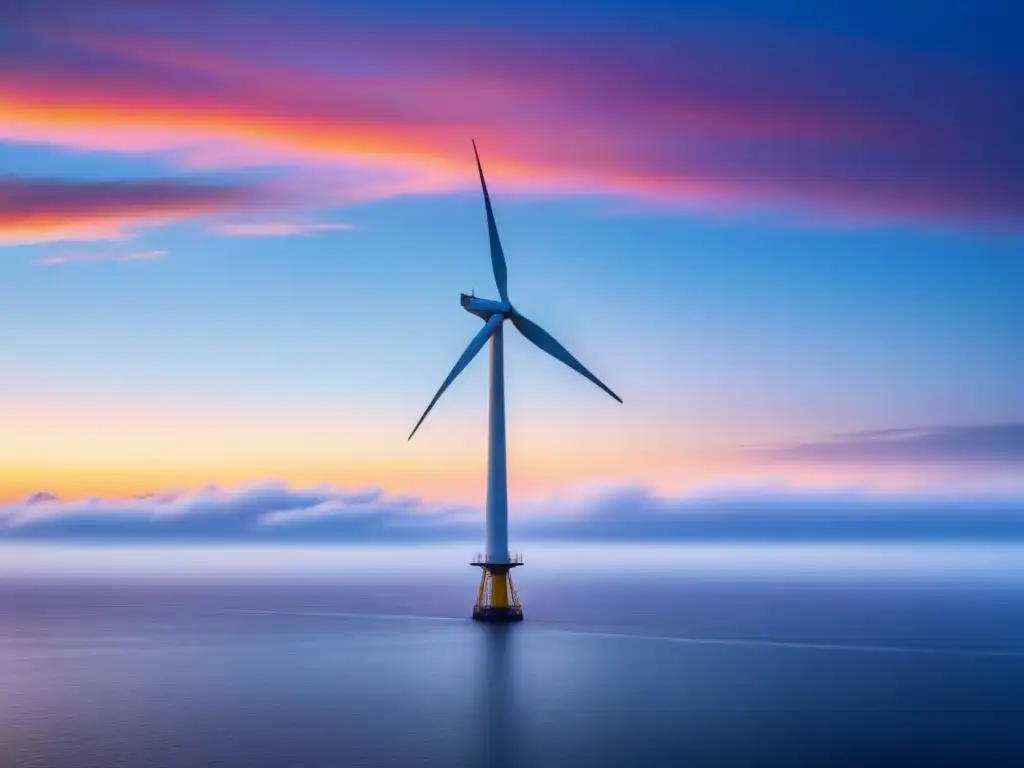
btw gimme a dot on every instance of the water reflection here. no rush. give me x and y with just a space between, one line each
499 726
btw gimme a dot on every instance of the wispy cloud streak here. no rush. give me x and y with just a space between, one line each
97 256
279 228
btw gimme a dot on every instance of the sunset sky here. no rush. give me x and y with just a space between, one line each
233 237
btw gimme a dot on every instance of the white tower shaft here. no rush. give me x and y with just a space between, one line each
497 479
496 597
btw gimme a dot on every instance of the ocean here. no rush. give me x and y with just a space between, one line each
683 655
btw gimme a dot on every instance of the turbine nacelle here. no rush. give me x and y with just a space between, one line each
485 308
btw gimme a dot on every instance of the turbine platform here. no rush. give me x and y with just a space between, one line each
497 600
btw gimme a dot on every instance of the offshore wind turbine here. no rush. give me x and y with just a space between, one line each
496 597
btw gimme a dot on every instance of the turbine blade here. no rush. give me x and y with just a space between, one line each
497 254
471 351
547 342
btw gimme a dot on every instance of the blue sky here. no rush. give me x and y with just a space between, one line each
761 224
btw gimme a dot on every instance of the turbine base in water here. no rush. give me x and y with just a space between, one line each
496 597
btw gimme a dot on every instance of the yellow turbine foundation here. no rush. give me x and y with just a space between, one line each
499 590
496 598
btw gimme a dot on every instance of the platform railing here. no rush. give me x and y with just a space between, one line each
514 558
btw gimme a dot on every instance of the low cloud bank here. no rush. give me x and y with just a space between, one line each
275 512
786 514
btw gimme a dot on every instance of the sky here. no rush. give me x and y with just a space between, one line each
233 235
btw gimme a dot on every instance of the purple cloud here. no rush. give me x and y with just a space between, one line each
47 210
1001 443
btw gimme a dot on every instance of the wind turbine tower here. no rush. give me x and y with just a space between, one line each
496 598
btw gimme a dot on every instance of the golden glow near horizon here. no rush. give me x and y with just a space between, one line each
103 449
97 446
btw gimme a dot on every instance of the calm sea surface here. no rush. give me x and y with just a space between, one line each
668 656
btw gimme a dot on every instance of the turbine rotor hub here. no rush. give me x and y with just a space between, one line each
485 308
